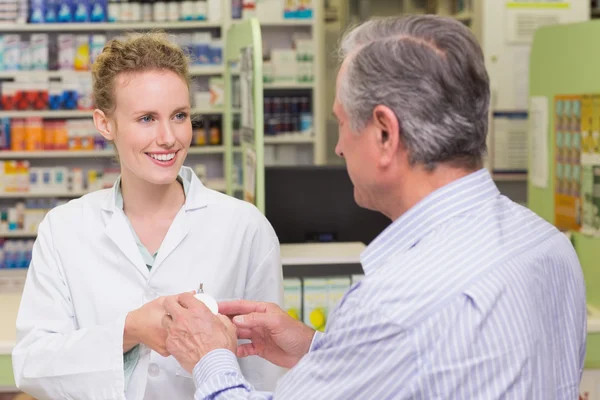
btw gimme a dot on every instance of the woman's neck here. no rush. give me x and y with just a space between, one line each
141 198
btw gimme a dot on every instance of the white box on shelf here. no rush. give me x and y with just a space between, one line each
305 48
202 99
269 10
39 51
25 56
216 86
12 52
305 72
284 65
66 51
268 72
215 10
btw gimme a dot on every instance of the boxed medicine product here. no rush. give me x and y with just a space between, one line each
66 51
284 65
37 11
216 87
269 10
82 53
292 297
12 55
81 11
64 10
290 9
39 51
315 303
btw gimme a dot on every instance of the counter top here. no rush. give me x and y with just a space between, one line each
321 253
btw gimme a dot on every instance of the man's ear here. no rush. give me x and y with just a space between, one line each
387 131
103 125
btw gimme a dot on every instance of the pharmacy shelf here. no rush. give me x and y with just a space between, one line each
463 17
290 139
20 155
218 184
288 85
287 22
196 70
499 177
17 234
83 113
281 22
46 114
49 195
82 27
60 154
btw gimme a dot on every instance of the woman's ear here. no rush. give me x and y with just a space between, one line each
103 125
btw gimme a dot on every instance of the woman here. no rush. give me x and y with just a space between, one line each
89 324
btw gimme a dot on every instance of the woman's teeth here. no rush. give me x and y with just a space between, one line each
163 157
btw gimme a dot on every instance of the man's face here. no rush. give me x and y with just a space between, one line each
359 150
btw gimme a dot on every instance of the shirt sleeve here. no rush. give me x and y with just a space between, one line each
353 359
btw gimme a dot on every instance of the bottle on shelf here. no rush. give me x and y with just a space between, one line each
173 10
136 10
114 11
159 11
147 10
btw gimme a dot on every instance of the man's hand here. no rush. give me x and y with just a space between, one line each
194 331
274 335
144 326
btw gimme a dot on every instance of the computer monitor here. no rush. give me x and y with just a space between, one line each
316 204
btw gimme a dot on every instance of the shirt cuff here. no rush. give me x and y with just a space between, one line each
214 363
318 335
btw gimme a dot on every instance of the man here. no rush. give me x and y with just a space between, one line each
466 295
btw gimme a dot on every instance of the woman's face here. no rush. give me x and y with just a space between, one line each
151 125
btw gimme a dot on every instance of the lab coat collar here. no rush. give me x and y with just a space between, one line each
199 196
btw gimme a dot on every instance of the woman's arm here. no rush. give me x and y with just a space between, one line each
53 358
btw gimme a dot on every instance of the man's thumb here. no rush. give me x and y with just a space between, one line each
252 320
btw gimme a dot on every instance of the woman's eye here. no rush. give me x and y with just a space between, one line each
146 118
180 116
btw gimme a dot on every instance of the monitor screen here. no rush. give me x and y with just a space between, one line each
316 204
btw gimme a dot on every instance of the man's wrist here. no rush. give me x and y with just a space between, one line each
213 363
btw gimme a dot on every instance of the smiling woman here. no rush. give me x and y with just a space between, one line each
90 317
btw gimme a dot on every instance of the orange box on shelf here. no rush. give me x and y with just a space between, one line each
49 128
34 134
17 135
61 136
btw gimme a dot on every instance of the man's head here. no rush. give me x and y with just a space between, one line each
412 101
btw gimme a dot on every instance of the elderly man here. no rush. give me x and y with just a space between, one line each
467 295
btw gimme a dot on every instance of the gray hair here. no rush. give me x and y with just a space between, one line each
430 71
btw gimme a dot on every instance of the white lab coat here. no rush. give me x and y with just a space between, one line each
87 273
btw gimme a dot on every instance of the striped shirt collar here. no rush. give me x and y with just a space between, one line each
448 201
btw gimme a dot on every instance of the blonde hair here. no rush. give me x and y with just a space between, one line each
137 53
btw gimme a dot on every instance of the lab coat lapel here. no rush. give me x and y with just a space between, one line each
196 198
175 235
119 231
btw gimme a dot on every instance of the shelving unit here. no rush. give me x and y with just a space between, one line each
195 70
107 26
213 157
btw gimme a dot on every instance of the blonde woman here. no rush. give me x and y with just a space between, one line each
89 324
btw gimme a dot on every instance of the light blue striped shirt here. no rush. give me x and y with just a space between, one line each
466 296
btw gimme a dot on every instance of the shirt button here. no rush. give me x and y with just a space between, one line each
153 370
